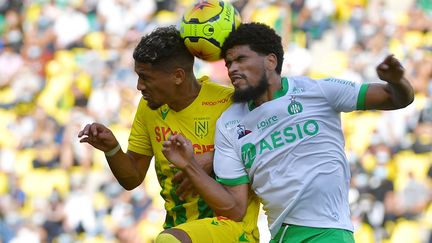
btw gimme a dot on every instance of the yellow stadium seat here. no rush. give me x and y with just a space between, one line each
41 182
426 219
365 234
95 40
359 139
24 161
408 162
33 13
336 63
396 47
151 226
4 185
406 231
100 201
413 39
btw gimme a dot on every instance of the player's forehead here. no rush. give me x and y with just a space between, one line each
146 68
239 50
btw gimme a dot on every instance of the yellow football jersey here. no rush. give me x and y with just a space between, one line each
197 122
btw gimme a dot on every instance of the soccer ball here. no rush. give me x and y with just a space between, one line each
205 26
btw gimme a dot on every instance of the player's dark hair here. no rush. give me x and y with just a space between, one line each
259 37
164 49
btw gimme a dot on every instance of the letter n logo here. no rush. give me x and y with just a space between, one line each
201 128
248 152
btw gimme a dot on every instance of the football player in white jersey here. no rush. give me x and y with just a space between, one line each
283 138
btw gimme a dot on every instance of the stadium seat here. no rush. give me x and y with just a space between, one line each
406 231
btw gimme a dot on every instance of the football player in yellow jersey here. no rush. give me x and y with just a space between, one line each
173 101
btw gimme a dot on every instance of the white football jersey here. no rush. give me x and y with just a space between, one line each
291 151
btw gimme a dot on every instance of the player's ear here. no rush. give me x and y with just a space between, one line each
270 62
179 75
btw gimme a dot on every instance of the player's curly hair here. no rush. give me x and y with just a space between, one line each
164 48
259 37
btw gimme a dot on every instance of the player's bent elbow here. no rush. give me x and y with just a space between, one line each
404 103
236 213
410 100
128 187
129 184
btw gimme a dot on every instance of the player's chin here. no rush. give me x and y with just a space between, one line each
153 105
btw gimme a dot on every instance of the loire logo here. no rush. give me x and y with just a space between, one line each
248 152
201 128
294 107
267 122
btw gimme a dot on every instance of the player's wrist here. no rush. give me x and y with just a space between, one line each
113 151
191 167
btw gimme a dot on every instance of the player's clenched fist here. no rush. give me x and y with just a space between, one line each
178 150
98 136
390 70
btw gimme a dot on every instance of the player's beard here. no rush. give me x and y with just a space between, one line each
251 92
152 105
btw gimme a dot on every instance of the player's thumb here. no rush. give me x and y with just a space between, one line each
383 67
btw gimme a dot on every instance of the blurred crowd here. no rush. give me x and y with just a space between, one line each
65 63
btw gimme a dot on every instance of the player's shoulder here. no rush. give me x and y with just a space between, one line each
236 109
205 81
302 84
301 80
232 115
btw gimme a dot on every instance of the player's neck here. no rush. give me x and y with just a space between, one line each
274 86
187 94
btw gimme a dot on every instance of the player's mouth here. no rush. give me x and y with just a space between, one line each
145 96
235 79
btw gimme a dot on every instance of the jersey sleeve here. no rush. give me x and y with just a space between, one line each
139 139
227 165
344 95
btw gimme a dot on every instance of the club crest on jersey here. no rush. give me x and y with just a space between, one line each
242 131
164 111
201 128
294 107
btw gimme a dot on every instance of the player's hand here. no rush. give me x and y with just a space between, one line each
98 136
185 187
178 150
390 70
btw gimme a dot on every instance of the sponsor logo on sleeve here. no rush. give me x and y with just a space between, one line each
340 81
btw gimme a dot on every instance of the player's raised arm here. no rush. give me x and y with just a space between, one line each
129 168
397 93
228 201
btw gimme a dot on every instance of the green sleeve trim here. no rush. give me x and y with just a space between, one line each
362 97
234 182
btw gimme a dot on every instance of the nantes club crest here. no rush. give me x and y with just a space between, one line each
201 127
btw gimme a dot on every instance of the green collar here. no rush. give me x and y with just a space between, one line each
279 93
